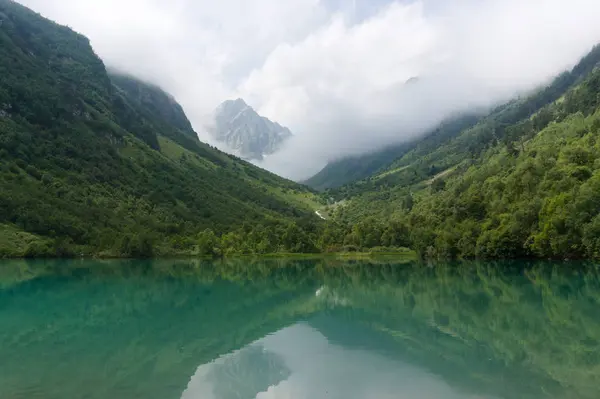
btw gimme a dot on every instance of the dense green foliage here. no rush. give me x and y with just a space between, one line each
468 137
453 139
522 182
99 164
93 163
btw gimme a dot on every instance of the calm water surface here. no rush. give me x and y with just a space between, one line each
299 330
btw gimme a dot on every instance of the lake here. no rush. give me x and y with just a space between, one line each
245 329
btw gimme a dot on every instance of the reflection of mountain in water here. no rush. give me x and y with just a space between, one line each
317 368
239 375
129 328
142 330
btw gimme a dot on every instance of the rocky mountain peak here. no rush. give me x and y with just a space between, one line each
245 132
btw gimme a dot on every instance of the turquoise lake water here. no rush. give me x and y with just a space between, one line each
299 330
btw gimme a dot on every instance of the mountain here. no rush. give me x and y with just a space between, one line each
98 163
524 181
245 132
443 142
354 168
104 164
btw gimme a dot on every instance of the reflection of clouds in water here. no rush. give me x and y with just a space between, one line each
242 374
317 369
285 390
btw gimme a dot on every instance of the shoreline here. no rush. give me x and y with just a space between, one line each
330 255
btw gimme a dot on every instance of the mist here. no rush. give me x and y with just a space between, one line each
336 72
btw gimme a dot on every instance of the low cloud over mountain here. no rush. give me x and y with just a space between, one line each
336 72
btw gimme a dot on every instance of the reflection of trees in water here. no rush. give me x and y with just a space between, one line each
513 329
137 328
529 330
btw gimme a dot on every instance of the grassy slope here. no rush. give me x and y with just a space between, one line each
108 163
14 241
349 169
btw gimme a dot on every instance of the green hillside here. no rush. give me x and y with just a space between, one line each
355 168
348 169
96 163
457 139
105 164
522 182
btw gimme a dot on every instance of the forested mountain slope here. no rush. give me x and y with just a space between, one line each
99 163
521 182
452 141
355 168
348 169
524 181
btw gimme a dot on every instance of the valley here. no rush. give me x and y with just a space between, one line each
97 163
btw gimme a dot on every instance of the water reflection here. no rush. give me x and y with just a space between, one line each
310 366
310 329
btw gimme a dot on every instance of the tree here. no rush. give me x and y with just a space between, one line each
208 243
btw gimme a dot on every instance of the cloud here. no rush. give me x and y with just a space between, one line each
196 50
342 90
335 71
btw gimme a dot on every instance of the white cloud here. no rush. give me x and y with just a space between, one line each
197 50
334 71
342 89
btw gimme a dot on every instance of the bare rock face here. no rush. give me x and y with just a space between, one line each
245 132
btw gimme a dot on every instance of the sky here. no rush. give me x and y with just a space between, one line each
335 71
